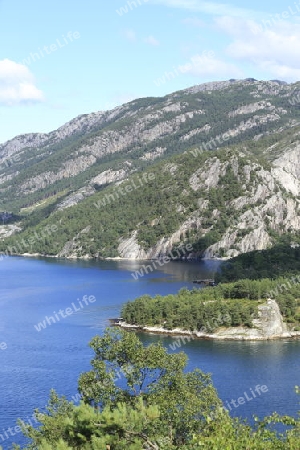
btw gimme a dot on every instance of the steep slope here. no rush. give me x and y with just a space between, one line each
35 167
113 186
223 203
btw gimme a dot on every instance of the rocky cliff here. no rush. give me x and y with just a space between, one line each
263 205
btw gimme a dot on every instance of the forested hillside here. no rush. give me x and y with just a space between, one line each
216 166
281 260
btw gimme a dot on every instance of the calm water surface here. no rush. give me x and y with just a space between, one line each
36 361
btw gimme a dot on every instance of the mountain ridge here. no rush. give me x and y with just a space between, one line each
231 147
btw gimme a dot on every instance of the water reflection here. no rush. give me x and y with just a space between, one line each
180 270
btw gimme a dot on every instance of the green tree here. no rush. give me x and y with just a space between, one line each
123 370
173 410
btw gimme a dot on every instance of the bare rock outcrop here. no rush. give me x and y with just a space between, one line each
72 249
262 207
287 170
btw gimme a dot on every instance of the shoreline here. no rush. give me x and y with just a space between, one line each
225 334
116 258
222 334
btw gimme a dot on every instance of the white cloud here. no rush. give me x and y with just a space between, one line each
151 40
274 50
17 84
117 99
208 65
281 71
130 35
213 8
194 22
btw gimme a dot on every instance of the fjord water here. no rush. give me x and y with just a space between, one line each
36 361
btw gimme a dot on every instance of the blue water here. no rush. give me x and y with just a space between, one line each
36 361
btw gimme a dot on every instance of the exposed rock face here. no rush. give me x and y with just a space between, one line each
252 123
287 170
103 179
85 122
195 132
249 109
267 207
140 132
70 168
75 198
130 249
109 176
269 325
148 124
72 249
94 150
153 155
209 175
257 239
18 143
212 86
8 230
270 322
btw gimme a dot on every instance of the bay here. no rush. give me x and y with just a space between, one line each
34 362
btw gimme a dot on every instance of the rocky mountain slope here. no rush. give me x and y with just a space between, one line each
216 165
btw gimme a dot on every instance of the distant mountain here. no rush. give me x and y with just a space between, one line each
216 166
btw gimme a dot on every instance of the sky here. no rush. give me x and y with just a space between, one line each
60 59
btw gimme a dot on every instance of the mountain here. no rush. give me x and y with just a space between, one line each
215 166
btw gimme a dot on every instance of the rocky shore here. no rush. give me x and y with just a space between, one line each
268 326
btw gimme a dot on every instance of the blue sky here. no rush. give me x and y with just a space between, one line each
60 59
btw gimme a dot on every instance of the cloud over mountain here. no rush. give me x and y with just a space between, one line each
17 84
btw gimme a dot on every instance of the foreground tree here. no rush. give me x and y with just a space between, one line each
82 427
138 397
125 371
